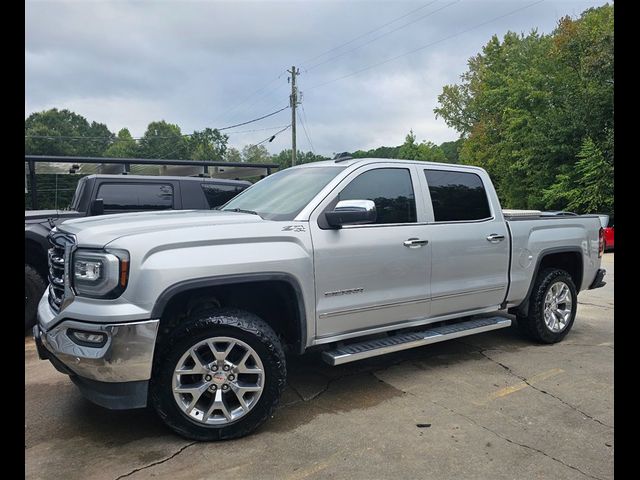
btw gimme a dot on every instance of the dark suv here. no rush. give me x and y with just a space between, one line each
104 194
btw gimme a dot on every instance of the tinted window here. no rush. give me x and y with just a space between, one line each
131 196
219 194
390 189
457 196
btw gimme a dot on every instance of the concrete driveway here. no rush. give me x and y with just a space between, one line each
487 406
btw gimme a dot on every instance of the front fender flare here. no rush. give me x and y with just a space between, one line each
165 297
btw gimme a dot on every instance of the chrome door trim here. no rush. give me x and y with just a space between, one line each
468 292
410 302
372 307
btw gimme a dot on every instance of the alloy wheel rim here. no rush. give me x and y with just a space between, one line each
218 381
558 303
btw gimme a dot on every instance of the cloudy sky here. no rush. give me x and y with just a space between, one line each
217 63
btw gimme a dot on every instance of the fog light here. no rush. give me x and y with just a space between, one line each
87 339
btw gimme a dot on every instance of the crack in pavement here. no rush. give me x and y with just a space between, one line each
158 462
608 306
587 345
511 372
503 437
523 445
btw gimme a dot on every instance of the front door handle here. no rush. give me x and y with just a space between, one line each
495 238
414 242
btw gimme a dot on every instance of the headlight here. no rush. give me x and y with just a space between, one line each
100 274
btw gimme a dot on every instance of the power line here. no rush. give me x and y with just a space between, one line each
254 120
381 35
270 138
369 67
306 134
257 130
366 33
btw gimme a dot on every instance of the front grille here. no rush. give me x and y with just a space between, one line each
57 243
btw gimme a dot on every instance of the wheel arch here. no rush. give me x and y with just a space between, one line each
566 258
184 295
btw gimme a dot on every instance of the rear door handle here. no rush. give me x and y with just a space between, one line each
495 238
414 242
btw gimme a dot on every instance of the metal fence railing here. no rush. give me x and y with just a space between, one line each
59 175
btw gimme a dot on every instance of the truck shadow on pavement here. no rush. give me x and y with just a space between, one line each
313 388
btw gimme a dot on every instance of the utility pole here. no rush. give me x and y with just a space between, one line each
293 101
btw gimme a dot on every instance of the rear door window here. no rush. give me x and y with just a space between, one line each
217 194
123 197
457 196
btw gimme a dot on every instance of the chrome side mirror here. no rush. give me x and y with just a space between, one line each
352 212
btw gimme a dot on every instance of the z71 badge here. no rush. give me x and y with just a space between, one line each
294 228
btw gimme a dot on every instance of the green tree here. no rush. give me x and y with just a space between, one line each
164 140
380 152
587 188
451 150
283 159
426 151
62 132
209 144
255 154
527 103
123 146
232 155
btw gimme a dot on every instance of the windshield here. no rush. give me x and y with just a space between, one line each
283 195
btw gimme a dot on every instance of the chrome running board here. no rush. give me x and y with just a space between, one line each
404 341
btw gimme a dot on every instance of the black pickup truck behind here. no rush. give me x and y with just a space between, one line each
105 194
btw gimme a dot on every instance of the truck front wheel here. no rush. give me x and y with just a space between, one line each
552 307
220 375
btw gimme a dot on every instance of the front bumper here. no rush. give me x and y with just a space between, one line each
114 375
598 281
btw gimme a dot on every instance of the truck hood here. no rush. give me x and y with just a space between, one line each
100 230
39 216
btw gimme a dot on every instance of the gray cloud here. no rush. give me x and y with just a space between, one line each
194 63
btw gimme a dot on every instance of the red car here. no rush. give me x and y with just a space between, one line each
607 224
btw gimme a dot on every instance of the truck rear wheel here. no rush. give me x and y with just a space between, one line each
552 307
33 289
219 376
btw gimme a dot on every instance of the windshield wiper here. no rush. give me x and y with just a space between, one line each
240 210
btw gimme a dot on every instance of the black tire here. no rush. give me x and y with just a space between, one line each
533 324
234 323
34 287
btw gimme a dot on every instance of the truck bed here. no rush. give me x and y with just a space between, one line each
533 236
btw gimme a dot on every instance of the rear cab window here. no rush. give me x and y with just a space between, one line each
127 197
457 196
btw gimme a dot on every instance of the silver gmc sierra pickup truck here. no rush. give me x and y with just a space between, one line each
192 312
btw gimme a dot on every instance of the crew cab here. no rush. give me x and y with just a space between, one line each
106 194
191 312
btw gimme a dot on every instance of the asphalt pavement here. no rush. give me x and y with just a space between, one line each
489 406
